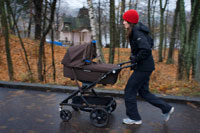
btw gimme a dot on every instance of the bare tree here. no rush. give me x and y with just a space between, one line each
30 18
149 14
173 35
99 24
42 40
93 27
192 38
112 31
133 4
123 37
166 33
4 23
197 68
20 39
52 55
38 18
153 18
162 10
183 30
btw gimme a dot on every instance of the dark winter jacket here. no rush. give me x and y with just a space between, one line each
141 47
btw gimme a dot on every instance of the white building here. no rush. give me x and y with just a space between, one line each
75 30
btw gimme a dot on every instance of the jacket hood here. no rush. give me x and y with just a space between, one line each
141 27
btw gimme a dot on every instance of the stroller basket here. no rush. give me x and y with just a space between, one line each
108 103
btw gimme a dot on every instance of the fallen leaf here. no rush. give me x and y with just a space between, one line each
3 127
39 120
192 105
11 119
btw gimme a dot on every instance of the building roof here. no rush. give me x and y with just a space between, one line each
80 22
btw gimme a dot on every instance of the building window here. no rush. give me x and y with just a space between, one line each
66 27
83 37
66 39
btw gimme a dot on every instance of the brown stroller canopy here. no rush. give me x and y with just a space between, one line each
76 55
78 65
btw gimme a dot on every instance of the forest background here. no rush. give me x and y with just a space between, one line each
175 33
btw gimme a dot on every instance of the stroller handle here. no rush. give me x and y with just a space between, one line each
127 66
131 65
123 63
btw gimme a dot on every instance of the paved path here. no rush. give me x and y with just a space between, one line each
27 111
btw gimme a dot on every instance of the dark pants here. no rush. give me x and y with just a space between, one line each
138 83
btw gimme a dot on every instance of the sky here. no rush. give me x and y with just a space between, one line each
81 3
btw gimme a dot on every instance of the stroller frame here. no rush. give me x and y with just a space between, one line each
99 107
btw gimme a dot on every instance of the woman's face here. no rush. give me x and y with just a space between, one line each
126 24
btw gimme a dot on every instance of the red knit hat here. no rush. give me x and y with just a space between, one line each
131 16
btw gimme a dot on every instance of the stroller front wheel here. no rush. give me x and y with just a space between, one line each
65 115
113 105
99 117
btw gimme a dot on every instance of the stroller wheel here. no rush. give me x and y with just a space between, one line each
65 115
113 106
99 117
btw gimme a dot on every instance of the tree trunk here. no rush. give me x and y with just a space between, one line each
166 34
57 17
136 4
6 36
196 68
11 25
52 55
105 30
130 4
30 19
173 35
183 30
20 39
99 24
153 17
162 10
149 14
112 32
41 47
118 32
117 27
192 36
93 28
123 34
38 18
43 29
195 56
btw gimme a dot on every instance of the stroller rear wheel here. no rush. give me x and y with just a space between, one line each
65 115
99 117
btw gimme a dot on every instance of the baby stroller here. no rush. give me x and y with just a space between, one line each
79 66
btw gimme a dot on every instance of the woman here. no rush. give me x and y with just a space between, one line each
141 55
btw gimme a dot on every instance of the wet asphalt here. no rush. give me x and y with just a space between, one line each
29 111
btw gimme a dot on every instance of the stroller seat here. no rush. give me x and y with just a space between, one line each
92 72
